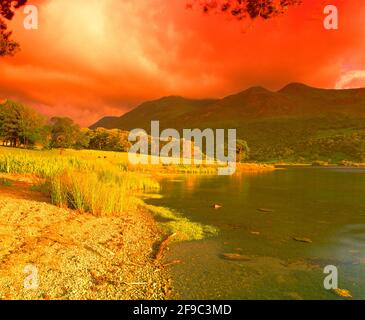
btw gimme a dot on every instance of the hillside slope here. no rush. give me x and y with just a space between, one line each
295 123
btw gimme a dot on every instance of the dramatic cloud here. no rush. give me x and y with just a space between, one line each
351 79
102 57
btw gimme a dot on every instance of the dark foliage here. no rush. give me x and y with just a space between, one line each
241 9
8 47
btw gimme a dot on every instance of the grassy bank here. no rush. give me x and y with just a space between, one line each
120 226
102 183
254 167
110 248
81 180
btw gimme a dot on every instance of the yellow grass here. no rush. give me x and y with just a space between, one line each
90 181
102 183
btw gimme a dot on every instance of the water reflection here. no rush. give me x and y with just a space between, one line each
323 205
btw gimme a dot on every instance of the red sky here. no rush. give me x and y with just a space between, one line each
91 58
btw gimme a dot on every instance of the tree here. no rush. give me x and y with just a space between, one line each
30 126
7 11
83 139
98 139
242 150
65 133
19 124
110 140
45 134
241 9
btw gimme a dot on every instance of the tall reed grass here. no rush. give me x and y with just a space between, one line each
88 183
102 183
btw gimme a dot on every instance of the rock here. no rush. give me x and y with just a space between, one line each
235 257
306 240
217 206
265 210
343 293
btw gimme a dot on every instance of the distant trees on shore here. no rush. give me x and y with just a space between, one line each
21 126
242 150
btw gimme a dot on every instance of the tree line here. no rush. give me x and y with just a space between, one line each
22 126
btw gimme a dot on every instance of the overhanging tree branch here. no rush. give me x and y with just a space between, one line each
241 9
7 12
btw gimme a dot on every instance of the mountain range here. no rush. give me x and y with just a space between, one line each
295 123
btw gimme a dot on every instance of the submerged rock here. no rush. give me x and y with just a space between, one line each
305 240
235 257
265 210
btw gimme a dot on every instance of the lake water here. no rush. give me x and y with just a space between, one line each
326 206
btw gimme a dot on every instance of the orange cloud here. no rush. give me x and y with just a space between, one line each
102 57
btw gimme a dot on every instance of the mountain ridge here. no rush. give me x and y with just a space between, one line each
256 101
292 121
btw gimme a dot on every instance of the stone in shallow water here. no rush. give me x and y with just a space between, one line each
343 293
305 240
235 257
265 210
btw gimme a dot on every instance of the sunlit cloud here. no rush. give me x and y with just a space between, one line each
94 58
351 79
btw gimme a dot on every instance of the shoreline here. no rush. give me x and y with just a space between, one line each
78 256
100 255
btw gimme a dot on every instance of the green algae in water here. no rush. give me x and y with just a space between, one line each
185 229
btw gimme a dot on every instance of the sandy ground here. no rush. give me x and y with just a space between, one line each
71 255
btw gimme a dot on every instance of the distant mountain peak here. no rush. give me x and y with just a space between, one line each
172 97
250 92
295 87
257 89
177 99
255 103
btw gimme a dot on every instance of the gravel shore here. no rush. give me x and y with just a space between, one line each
73 255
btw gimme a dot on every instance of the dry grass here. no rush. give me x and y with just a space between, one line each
103 183
87 181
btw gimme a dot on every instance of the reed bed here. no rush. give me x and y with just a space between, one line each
89 182
103 184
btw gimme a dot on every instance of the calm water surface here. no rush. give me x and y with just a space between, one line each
324 205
